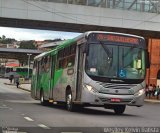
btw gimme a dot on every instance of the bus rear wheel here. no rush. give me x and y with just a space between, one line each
119 109
43 101
69 103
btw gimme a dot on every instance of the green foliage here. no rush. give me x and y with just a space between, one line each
27 45
5 40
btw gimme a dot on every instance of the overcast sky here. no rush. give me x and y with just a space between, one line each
38 35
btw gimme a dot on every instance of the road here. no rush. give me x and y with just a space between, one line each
18 111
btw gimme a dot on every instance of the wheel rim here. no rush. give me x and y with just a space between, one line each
42 99
69 101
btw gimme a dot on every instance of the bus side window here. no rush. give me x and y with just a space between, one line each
41 66
34 64
47 64
66 57
71 57
73 49
59 59
71 61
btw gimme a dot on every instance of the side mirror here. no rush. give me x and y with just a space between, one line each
147 60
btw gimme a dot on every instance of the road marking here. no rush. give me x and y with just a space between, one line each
43 126
4 107
12 132
28 119
71 132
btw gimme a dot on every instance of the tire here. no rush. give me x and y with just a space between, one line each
43 102
69 103
119 109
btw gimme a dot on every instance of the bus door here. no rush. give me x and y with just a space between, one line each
79 72
35 78
51 80
36 87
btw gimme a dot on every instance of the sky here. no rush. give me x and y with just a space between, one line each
38 35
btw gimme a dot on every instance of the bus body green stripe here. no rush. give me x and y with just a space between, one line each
57 76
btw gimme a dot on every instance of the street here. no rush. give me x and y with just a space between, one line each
20 113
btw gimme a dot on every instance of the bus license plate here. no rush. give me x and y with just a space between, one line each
115 100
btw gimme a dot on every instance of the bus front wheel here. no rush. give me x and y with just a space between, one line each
119 109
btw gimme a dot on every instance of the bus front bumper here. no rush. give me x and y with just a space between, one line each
95 98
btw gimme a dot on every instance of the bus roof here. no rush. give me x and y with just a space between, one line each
71 41
54 51
86 34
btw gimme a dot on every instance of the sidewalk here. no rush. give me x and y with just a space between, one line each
26 87
152 100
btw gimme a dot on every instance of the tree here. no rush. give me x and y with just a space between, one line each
27 45
5 40
3 37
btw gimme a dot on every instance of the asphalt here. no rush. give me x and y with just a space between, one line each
19 111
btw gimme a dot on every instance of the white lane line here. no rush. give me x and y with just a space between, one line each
71 132
4 131
43 126
28 119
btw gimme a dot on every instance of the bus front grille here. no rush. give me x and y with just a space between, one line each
116 86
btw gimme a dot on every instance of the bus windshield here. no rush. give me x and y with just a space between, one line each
123 62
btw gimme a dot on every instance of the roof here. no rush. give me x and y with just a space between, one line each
20 54
15 50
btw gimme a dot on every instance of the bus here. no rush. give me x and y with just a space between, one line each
103 69
16 71
2 71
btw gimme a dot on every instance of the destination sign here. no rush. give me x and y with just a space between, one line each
117 38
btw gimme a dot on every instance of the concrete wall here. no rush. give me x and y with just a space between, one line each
57 12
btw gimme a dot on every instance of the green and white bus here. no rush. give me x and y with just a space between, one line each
16 71
94 69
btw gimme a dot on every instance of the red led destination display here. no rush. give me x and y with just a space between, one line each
116 38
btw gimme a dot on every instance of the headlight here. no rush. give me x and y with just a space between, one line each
90 88
140 92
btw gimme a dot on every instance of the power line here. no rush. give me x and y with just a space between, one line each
73 18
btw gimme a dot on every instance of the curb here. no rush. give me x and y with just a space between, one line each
8 84
18 87
24 89
152 101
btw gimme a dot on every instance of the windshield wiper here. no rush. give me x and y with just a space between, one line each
106 49
124 55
